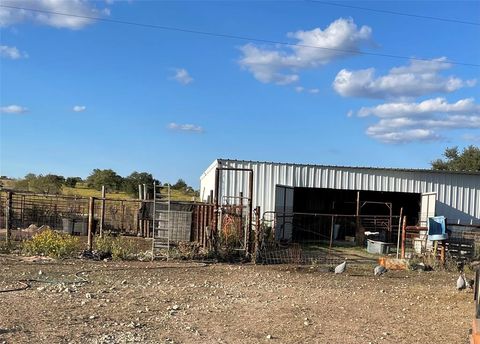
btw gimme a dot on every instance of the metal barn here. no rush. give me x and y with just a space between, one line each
287 189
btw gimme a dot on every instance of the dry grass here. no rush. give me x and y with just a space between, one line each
83 191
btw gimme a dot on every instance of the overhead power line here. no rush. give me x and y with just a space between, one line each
395 13
229 36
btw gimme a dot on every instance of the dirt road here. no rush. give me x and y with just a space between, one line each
184 302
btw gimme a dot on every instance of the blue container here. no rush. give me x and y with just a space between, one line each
437 228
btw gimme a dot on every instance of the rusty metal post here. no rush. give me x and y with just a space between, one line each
250 210
214 230
8 217
442 252
91 214
123 215
243 231
23 211
102 212
404 235
258 235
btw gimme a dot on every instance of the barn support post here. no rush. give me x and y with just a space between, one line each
91 214
404 235
8 217
102 212
331 232
398 232
358 233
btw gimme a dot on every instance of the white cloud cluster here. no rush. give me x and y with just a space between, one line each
404 122
417 79
401 118
185 127
11 16
182 76
280 66
79 108
11 52
13 109
301 89
424 108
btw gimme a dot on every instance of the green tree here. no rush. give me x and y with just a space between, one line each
130 183
468 160
109 178
48 184
72 181
180 185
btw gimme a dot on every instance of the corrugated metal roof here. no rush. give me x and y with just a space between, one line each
343 166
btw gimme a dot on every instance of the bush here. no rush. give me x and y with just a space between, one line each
120 248
52 244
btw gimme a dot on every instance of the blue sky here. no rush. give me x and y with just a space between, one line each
78 94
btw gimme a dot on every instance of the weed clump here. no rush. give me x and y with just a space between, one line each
52 244
120 248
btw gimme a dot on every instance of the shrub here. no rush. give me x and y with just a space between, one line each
52 244
120 248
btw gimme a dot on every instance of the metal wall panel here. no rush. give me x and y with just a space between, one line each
458 194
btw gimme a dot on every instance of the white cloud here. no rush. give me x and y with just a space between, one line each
403 136
427 120
11 16
424 108
79 108
472 138
280 66
300 89
13 109
185 127
416 79
11 52
182 76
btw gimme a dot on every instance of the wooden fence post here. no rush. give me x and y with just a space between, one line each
8 217
91 214
102 212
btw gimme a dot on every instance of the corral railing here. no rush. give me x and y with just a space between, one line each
127 216
309 237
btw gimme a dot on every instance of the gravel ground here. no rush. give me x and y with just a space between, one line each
186 302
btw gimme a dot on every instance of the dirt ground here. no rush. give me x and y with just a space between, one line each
187 302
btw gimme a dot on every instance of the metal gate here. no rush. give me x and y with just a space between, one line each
233 223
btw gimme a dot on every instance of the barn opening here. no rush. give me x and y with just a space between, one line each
322 214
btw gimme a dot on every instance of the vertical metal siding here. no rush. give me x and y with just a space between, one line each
458 195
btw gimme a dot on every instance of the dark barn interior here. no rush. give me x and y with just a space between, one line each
321 213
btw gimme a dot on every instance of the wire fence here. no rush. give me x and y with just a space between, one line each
305 238
69 213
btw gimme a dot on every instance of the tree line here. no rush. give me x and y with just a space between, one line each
454 160
53 184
